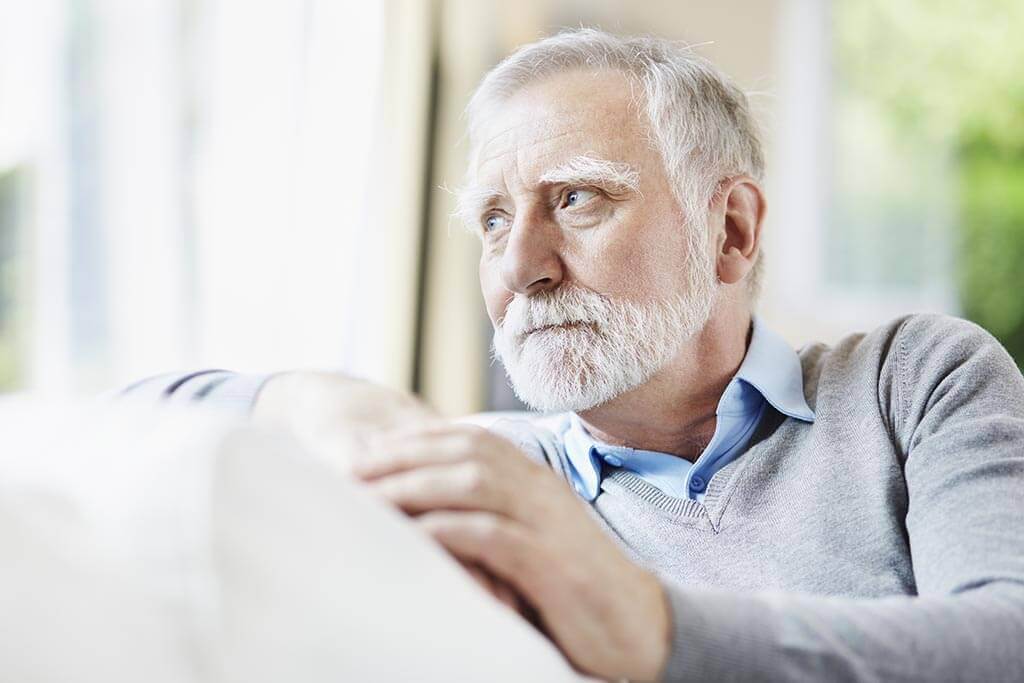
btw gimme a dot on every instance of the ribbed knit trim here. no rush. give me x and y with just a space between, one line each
681 507
654 496
719 484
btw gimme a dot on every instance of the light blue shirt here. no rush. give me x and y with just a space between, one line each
770 377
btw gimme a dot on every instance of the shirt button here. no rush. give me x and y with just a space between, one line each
697 483
613 461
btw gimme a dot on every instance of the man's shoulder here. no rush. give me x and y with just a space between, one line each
908 355
537 434
921 339
938 335
522 425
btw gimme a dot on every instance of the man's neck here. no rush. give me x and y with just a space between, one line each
674 411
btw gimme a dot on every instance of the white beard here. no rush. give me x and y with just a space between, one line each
606 347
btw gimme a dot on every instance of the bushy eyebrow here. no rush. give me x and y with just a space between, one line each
614 176
471 202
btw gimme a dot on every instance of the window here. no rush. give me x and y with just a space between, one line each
900 165
199 186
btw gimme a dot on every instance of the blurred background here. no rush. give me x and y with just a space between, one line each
261 185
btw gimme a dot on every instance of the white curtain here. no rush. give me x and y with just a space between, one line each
216 182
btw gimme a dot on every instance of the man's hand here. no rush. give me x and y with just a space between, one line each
488 504
334 414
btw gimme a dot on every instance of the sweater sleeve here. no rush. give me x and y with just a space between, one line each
958 420
222 390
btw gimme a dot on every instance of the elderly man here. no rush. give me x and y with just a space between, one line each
701 502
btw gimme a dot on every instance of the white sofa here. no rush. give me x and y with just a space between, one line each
139 544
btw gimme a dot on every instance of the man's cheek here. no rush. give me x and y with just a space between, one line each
496 300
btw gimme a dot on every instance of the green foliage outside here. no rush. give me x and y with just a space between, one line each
993 242
11 358
952 73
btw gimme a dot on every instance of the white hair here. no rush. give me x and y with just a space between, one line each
700 122
582 170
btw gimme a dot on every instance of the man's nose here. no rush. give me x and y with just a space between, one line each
531 262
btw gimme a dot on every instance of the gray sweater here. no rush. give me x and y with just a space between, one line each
885 541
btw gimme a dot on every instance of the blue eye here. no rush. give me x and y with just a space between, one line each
578 197
493 222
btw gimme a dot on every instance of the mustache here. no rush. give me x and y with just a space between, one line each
563 306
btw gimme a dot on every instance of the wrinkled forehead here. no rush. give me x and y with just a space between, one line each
519 142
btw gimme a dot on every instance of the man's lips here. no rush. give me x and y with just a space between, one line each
559 326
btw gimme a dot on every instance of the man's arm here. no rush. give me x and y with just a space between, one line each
220 389
330 412
957 407
971 635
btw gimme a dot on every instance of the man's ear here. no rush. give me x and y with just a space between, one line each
741 213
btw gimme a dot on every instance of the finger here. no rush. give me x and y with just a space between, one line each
437 427
481 577
384 459
496 588
508 597
467 485
515 555
502 546
392 456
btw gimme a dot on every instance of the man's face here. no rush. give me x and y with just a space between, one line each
586 270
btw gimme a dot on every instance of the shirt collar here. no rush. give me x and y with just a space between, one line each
770 366
773 368
581 450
